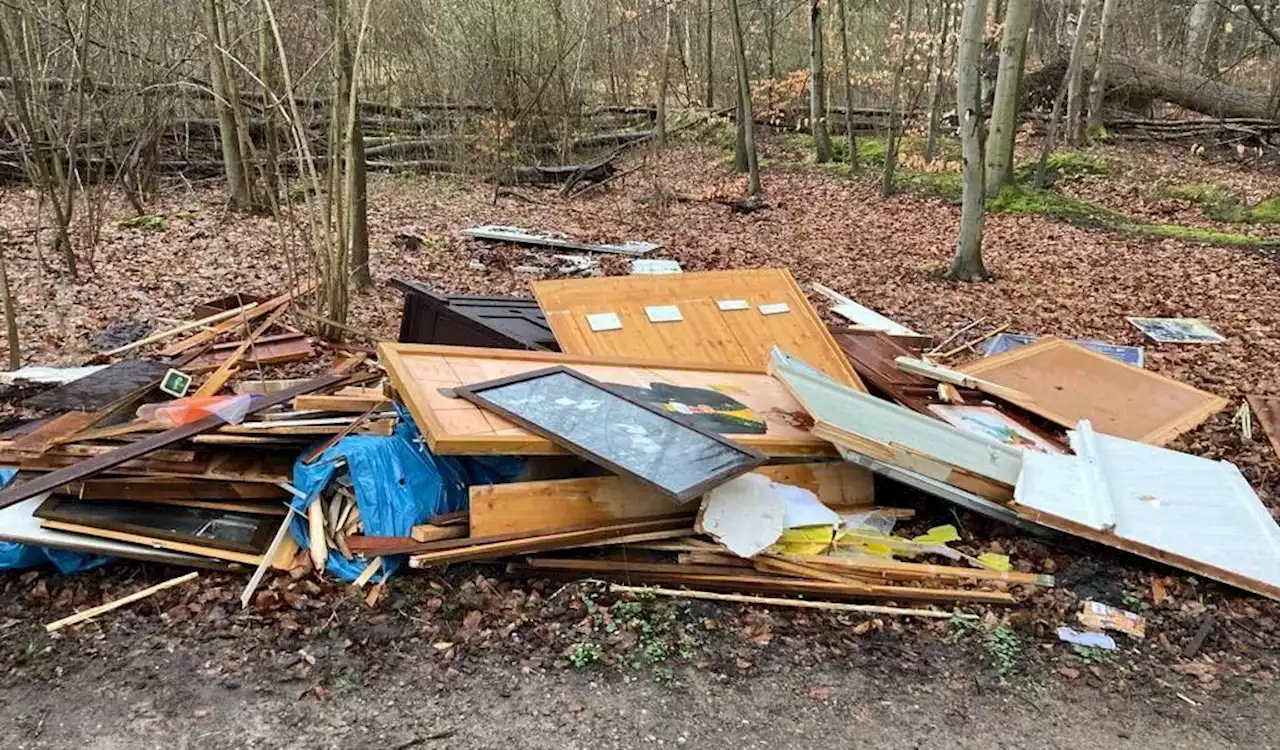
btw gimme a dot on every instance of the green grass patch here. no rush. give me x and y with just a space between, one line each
1220 204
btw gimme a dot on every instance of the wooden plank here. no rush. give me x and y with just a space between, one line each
757 601
769 419
1267 409
183 328
899 570
48 433
872 354
536 507
287 348
169 544
674 573
706 333
98 464
1066 383
146 488
236 322
349 404
227 369
102 609
473 548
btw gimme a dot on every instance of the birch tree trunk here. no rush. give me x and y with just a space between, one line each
817 86
1199 31
935 85
1075 74
746 117
852 155
967 264
1097 89
664 79
1004 109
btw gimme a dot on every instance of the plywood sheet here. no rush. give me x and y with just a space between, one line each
1066 383
746 406
706 333
1182 510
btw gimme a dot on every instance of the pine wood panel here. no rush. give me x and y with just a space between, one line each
706 334
454 426
1066 383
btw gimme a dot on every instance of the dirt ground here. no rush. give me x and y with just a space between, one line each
454 658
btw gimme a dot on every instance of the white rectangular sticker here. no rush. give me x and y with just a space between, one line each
775 308
663 314
732 304
604 322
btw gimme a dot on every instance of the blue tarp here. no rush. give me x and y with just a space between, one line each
21 556
398 484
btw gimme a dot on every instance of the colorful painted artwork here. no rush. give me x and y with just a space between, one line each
989 422
1178 330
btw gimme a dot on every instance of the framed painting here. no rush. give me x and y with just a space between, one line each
992 423
741 403
1178 330
611 428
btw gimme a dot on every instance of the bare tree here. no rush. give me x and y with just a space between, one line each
847 75
967 264
937 65
1005 106
10 308
746 115
225 98
1200 26
664 78
1075 74
817 86
709 60
894 132
1098 88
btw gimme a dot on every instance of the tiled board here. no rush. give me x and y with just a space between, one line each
453 426
1066 383
707 335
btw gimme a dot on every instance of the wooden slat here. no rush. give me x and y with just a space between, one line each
143 488
97 464
46 435
706 333
234 323
227 369
462 550
872 354
455 426
535 507
1066 383
287 348
147 541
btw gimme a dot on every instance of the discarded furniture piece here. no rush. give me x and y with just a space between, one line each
519 236
1005 342
898 436
727 317
1267 409
1065 383
1182 510
501 322
534 508
873 355
740 403
864 317
610 428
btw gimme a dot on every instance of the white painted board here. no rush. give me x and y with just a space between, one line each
604 322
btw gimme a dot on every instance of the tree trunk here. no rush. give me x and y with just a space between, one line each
817 86
852 145
228 133
935 85
895 105
358 200
1098 88
967 264
1005 107
710 58
10 315
664 78
1075 74
746 117
1199 31
1051 140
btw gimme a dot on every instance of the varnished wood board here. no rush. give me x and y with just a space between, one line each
706 333
772 421
1267 410
1066 383
540 507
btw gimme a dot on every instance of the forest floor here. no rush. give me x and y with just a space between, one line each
310 665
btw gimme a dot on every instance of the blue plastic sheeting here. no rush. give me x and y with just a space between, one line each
21 556
398 484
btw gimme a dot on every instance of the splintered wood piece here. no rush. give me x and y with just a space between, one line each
268 560
1066 383
269 350
89 614
741 331
189 326
228 367
480 548
99 464
316 536
370 570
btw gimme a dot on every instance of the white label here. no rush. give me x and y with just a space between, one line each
732 304
775 308
604 322
663 314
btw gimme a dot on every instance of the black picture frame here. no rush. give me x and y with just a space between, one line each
166 522
736 459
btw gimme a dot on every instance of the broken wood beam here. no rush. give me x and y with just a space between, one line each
89 614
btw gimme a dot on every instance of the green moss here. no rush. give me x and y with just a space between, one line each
1220 204
945 185
1063 166
1203 193
1206 236
1266 212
